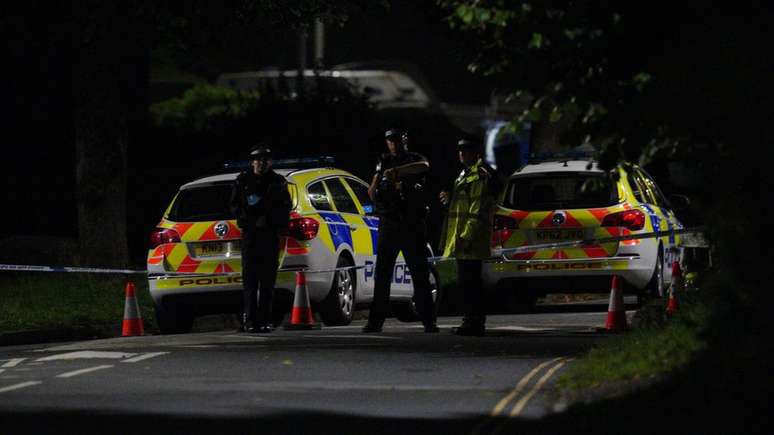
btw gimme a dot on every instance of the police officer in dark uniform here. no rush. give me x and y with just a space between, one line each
398 192
261 204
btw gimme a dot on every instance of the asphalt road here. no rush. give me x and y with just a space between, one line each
333 380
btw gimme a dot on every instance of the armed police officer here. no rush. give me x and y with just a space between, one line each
467 231
261 204
398 192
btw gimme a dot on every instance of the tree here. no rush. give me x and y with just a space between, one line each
651 80
109 48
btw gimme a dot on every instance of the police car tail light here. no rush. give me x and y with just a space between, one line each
303 228
160 236
630 219
503 227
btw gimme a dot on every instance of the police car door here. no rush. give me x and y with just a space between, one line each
669 222
363 247
370 231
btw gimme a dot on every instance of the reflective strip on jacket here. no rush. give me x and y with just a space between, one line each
467 231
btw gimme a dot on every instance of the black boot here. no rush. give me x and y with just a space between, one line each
245 324
431 327
371 328
470 327
264 328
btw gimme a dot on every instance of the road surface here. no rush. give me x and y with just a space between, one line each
333 380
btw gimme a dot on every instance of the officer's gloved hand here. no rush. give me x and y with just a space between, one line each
444 198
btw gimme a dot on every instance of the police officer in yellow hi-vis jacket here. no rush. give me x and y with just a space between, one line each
467 232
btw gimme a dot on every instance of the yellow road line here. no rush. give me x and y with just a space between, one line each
521 404
519 388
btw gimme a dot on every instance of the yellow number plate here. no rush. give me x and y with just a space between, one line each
558 235
212 249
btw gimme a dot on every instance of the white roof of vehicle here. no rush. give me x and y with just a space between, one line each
385 88
228 177
558 166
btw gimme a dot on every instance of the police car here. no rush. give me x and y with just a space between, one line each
570 200
194 261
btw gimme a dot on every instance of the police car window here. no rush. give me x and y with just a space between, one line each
647 190
318 196
361 192
203 203
341 197
634 183
553 191
658 196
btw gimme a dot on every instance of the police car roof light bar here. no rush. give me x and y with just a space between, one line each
583 152
297 163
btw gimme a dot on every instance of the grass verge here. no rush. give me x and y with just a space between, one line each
646 353
90 304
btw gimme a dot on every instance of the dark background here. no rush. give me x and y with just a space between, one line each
37 116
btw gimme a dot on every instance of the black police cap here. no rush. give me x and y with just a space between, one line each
260 150
468 145
394 132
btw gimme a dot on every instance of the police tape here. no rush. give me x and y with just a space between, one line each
29 268
598 241
501 257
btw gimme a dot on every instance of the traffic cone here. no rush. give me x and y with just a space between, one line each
132 319
677 282
301 316
616 310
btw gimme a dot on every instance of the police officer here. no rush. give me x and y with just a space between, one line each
398 192
467 231
261 204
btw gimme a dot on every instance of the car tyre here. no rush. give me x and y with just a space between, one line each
337 308
174 317
407 312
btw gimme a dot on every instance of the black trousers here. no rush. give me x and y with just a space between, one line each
469 278
397 235
260 248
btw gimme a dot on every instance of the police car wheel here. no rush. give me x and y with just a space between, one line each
337 308
174 318
407 312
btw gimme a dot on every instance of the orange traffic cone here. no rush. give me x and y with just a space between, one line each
677 282
616 311
132 320
301 317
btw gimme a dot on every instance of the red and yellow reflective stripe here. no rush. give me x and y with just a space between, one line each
574 219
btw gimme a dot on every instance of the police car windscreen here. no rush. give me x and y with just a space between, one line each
203 203
560 191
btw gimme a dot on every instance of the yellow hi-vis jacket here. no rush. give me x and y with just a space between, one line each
467 232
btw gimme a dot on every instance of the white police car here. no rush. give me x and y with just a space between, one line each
194 260
571 200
